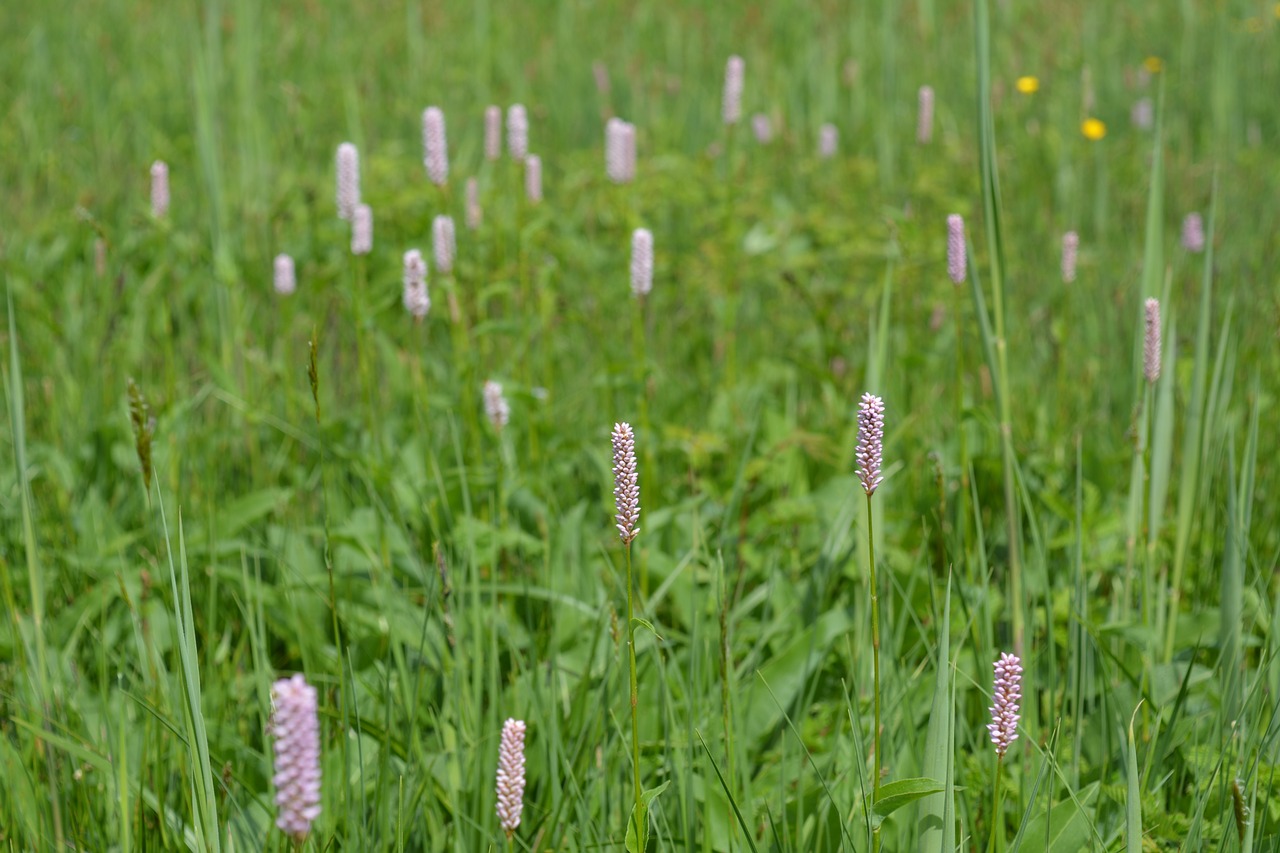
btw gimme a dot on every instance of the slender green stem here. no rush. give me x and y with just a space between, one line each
635 696
875 663
997 825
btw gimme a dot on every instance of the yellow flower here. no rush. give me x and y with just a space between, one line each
1253 25
1278 10
1154 64
1093 129
1028 85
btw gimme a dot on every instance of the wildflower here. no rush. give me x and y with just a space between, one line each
1028 85
443 243
1093 129
731 108
619 148
641 262
762 127
495 405
510 787
283 277
475 215
416 299
1153 64
159 189
626 483
1151 341
1004 711
348 180
493 132
924 115
296 729
1193 233
1142 114
600 72
828 139
517 132
870 451
435 146
1070 246
362 230
533 177
956 261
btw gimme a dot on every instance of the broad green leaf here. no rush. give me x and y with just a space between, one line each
1064 828
895 795
640 817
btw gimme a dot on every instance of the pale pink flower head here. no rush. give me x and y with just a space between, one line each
296 729
828 141
362 230
870 452
1004 709
510 776
283 276
626 482
435 146
762 128
492 132
443 243
416 299
1151 341
1193 233
731 107
533 178
641 261
159 189
496 408
475 214
348 170
517 132
924 117
956 261
1070 248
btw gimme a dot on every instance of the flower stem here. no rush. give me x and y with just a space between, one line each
635 691
875 663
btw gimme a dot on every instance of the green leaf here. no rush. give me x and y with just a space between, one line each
897 794
1133 808
640 818
1064 828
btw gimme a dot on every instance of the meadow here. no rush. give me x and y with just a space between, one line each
216 478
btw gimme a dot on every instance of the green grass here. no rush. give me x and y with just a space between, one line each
432 576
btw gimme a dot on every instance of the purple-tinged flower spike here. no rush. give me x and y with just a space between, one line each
362 230
296 730
1070 247
517 132
641 261
762 127
870 451
283 277
828 141
600 72
626 483
510 787
416 299
1143 114
1151 341
348 180
924 116
443 243
159 189
1004 710
475 215
435 146
495 405
533 177
1193 233
492 132
731 108
956 261
614 166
